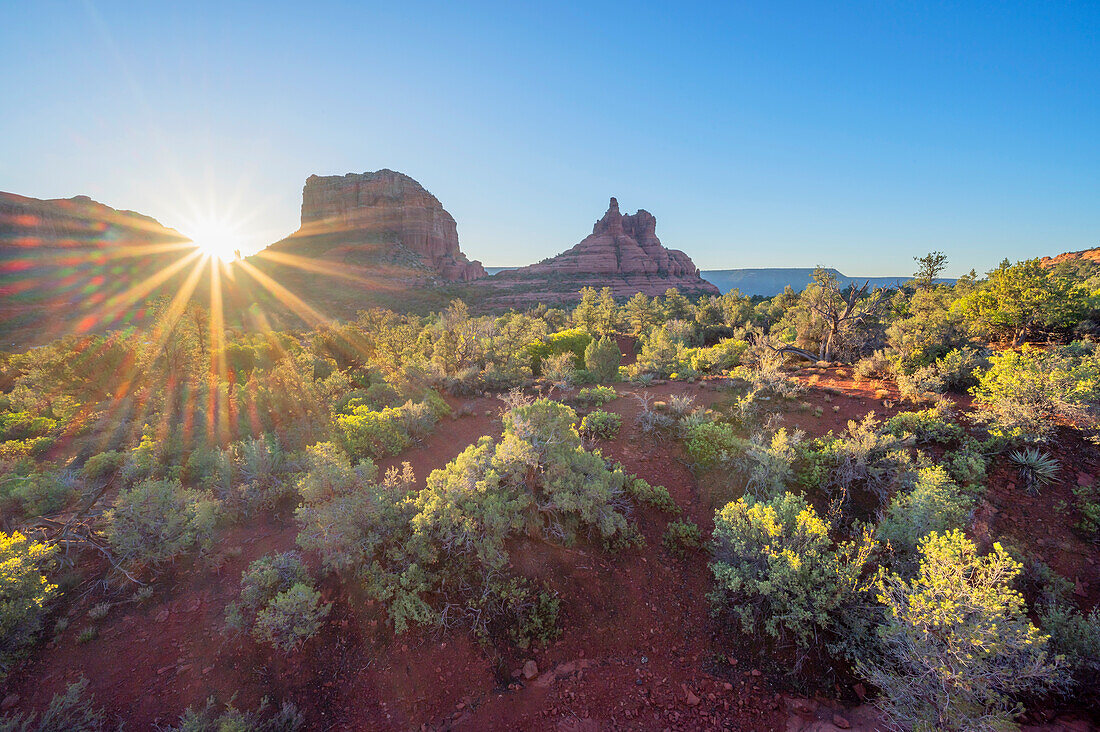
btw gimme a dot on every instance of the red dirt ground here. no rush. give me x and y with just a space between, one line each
638 649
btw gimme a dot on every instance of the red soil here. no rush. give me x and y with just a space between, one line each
638 649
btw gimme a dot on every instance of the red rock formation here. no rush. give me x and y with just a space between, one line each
622 252
75 266
384 207
1092 255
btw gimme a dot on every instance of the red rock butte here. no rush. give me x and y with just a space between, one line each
622 252
383 208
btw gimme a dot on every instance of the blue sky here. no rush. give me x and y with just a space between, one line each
855 135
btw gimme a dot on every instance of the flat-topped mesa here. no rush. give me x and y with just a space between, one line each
623 253
386 207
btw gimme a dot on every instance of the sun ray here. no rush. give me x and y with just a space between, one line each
285 296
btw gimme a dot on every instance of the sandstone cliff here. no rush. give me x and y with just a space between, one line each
381 217
622 252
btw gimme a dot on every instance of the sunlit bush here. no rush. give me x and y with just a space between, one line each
935 503
1025 394
777 570
957 650
24 592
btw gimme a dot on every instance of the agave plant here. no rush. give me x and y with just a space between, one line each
1036 468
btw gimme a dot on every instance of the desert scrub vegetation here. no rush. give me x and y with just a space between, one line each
158 521
714 443
601 425
72 711
595 396
369 433
24 594
601 359
656 496
440 554
1025 394
573 341
1087 501
778 572
27 492
926 426
1036 468
213 717
864 459
956 649
934 503
719 358
681 537
278 604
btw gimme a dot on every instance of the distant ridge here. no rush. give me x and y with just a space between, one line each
769 282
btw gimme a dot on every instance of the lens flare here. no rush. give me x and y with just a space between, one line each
216 239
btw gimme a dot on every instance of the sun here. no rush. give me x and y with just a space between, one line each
216 239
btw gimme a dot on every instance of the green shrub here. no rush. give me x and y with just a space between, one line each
24 426
447 543
68 712
724 355
682 537
769 463
573 341
601 358
157 521
714 443
778 572
661 353
1026 393
521 613
601 425
39 493
880 365
967 465
24 592
596 396
560 369
935 503
957 650
1087 498
278 604
263 468
381 395
291 617
652 495
865 459
102 467
959 368
286 718
929 425
436 403
208 469
369 434
1075 637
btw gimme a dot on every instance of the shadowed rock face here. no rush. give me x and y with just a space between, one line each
385 207
76 266
622 252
